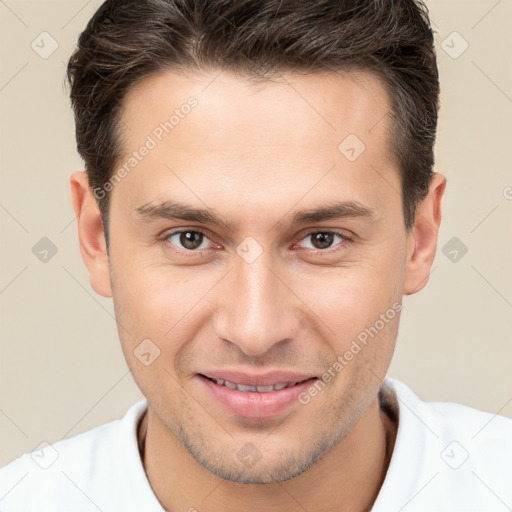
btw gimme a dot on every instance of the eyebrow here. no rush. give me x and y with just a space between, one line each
173 210
336 210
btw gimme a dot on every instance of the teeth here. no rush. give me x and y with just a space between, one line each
241 387
265 389
259 389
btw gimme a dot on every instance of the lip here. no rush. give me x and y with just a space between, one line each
263 379
254 405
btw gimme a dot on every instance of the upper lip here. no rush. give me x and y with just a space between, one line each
257 379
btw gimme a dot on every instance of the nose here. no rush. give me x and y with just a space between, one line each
257 308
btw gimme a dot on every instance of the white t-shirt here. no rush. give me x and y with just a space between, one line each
447 458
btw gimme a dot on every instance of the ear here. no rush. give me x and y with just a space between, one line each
90 233
422 238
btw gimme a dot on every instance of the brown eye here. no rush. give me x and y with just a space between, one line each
189 239
324 239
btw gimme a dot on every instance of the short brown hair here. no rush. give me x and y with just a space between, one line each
129 40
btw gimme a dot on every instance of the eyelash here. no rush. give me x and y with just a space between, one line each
346 240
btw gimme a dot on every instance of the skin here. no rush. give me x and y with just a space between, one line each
255 155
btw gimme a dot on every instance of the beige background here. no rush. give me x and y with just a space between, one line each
61 368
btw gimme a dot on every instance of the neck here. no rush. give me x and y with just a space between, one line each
346 479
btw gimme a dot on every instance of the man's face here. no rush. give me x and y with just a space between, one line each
265 293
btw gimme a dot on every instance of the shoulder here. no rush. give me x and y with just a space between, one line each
452 418
69 472
447 456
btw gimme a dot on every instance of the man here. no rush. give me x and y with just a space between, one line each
258 198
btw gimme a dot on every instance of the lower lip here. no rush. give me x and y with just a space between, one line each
251 404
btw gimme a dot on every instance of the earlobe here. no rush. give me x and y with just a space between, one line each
422 239
90 233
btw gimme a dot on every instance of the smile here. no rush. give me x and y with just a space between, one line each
254 389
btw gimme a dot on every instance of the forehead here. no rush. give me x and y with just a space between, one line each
247 139
319 107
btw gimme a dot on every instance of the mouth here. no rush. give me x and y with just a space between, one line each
254 402
255 389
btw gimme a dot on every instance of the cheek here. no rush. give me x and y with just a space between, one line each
164 305
152 325
365 326
156 297
352 298
359 307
